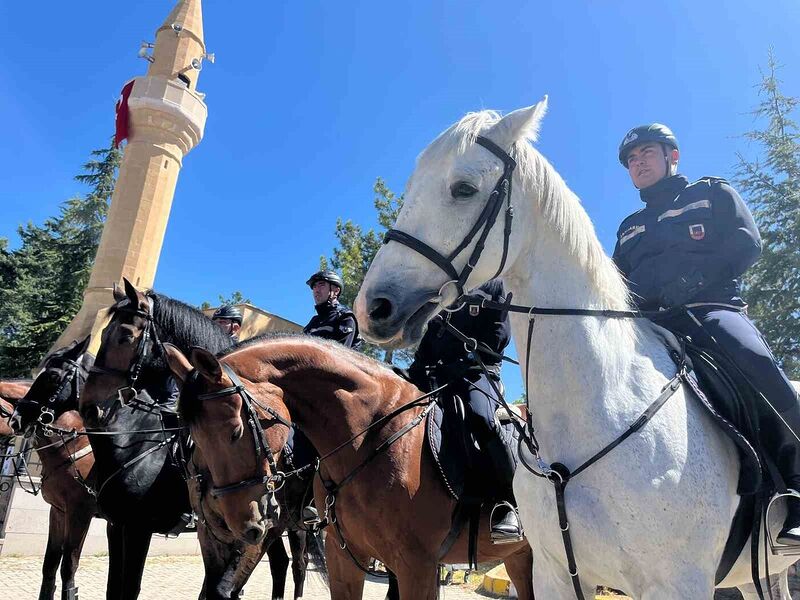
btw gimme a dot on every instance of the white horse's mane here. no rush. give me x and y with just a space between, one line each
560 207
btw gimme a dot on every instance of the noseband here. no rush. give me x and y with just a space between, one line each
47 414
500 194
256 427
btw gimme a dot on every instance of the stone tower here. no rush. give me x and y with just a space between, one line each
166 120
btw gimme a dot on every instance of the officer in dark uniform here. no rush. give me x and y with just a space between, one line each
687 247
442 358
229 318
333 321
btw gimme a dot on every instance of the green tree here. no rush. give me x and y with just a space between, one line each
356 248
235 298
771 182
42 282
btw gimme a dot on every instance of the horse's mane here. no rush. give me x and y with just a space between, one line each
185 326
559 206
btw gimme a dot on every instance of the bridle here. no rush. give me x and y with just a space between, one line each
143 350
73 368
274 478
500 194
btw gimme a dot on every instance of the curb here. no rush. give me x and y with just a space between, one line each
497 582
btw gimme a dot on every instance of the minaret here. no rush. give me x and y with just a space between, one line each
166 120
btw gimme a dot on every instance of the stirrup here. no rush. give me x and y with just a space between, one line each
500 540
311 517
776 548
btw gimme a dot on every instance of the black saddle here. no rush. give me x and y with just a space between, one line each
731 402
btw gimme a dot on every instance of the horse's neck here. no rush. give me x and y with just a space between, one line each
579 366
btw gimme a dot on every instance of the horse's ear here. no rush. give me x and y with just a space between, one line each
134 295
119 294
206 363
522 124
79 348
178 363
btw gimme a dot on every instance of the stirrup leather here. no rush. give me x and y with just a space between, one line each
775 547
498 539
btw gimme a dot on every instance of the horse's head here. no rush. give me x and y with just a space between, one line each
226 422
127 343
454 230
55 390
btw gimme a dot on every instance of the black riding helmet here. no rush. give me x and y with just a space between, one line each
655 132
227 311
331 277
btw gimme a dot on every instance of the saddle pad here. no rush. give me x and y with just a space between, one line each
454 454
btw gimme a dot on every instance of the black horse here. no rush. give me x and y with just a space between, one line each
129 405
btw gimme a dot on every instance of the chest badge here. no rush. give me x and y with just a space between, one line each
697 232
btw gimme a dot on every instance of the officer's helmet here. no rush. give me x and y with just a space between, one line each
331 277
655 132
227 311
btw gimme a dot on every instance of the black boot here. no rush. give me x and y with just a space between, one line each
785 450
506 528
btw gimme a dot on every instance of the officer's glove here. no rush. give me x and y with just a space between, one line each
682 290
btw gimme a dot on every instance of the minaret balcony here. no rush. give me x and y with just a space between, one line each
166 111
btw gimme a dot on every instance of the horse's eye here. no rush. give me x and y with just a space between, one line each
462 189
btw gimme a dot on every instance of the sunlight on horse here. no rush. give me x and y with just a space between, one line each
589 377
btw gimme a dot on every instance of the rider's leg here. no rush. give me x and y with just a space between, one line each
779 409
506 527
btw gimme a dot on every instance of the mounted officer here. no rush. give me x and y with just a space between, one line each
442 357
229 319
333 321
687 248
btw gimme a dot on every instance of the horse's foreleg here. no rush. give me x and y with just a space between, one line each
116 561
418 579
137 543
215 556
278 566
76 526
297 546
346 579
52 555
520 569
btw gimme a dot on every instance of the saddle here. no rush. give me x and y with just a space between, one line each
730 401
463 467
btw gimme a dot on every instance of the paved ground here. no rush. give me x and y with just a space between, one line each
174 578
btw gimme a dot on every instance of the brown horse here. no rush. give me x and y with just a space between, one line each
394 508
66 460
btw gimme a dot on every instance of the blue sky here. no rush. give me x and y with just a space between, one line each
310 101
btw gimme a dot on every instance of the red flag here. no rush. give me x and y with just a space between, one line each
121 130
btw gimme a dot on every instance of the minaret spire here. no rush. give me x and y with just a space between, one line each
167 118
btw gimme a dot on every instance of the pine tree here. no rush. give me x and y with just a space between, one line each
42 283
355 251
771 182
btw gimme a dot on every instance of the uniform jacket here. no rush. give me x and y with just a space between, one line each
690 243
489 326
336 322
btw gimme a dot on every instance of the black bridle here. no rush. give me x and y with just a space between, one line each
143 350
274 478
73 369
500 194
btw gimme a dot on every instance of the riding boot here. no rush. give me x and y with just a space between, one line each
505 525
785 450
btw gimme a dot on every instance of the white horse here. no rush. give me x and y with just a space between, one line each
650 518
